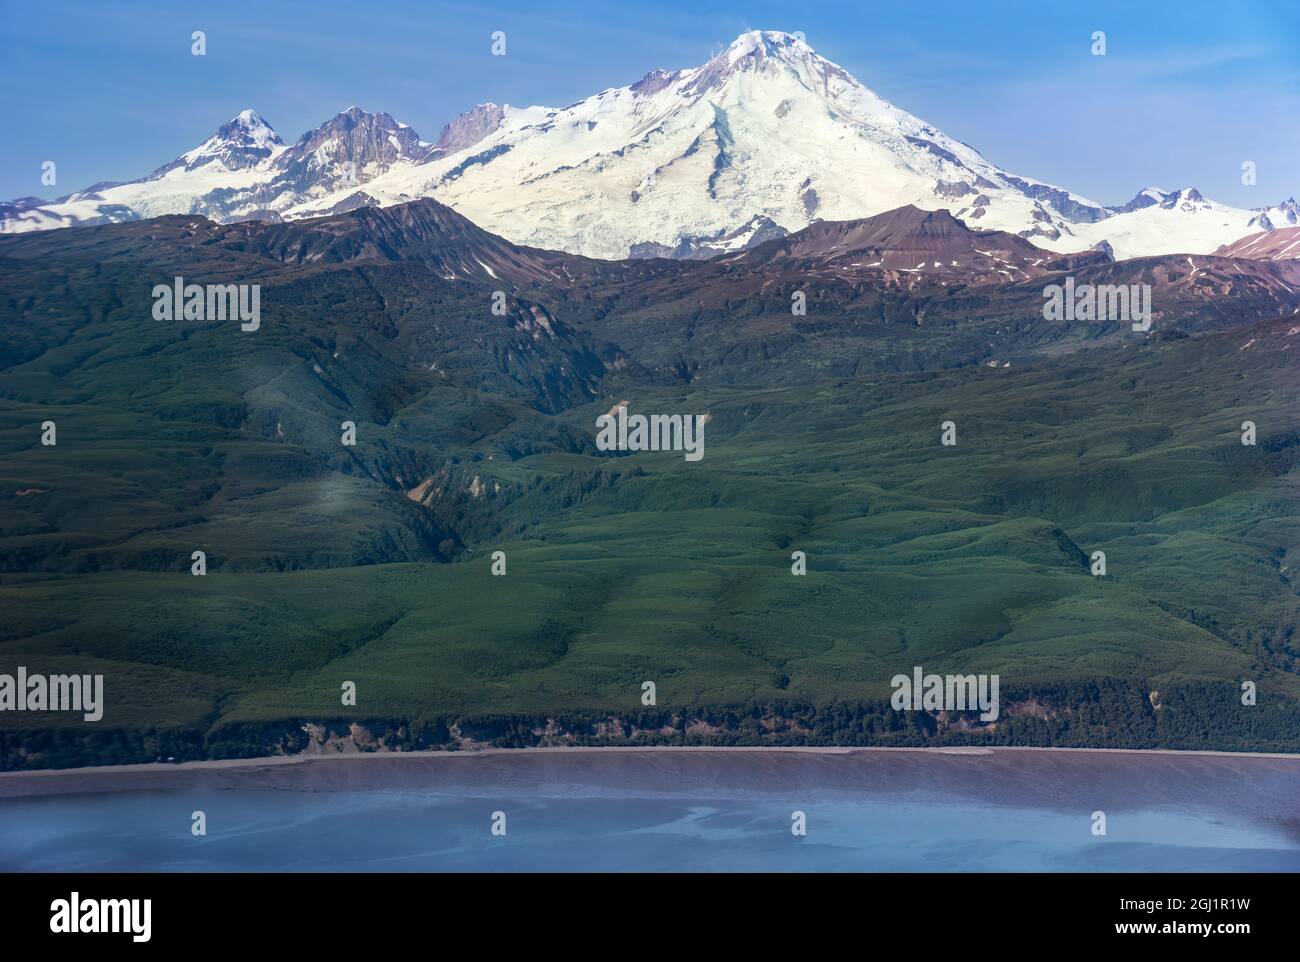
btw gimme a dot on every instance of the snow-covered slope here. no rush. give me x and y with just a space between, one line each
762 140
765 129
243 170
1177 222
237 157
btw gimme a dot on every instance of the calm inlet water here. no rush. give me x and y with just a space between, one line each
667 811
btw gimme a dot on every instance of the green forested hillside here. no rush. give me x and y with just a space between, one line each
475 434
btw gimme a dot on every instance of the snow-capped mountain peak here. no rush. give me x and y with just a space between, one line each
371 143
763 139
1187 197
242 142
766 44
1285 214
766 131
773 58
257 130
763 50
1146 197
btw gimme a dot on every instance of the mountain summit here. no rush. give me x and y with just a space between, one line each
764 139
766 128
245 141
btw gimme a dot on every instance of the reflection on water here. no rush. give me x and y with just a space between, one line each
675 811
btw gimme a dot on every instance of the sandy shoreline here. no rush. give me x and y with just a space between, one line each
60 780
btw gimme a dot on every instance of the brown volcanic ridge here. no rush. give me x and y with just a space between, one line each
1282 244
906 249
909 246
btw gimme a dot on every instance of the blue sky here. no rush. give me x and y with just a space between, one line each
1186 92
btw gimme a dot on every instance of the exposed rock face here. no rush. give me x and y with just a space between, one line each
1284 214
371 143
470 127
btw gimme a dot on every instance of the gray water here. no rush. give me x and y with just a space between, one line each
668 811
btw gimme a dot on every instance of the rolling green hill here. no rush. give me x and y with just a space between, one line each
476 433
